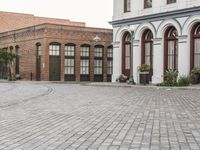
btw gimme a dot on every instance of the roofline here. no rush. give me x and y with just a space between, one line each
157 16
51 24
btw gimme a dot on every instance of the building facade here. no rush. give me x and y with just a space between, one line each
66 51
164 34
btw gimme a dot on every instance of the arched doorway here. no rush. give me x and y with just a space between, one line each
171 49
147 51
126 54
195 46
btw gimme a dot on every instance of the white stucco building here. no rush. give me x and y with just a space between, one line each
162 33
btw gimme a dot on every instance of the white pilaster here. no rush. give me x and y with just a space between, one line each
157 61
117 61
183 56
136 60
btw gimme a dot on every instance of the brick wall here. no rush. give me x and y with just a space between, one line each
45 34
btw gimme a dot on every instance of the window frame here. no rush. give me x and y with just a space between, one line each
171 2
84 58
127 6
68 59
173 55
147 6
98 60
194 36
110 59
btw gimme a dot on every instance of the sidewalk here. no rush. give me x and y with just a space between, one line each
109 84
105 84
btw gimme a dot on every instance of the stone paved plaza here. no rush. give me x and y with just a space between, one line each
49 116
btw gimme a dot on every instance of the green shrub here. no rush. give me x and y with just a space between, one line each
196 70
184 81
171 76
144 68
167 83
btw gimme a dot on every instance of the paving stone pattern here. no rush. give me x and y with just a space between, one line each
47 116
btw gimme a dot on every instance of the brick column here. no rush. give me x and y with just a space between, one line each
45 61
92 63
105 64
77 62
62 61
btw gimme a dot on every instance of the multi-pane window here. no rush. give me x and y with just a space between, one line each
127 56
39 50
109 60
147 3
69 59
69 66
171 1
69 50
172 49
85 51
98 60
127 5
85 60
148 48
85 67
98 52
197 47
54 50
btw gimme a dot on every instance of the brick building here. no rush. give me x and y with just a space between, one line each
57 49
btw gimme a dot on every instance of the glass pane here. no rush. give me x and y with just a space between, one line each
147 3
197 53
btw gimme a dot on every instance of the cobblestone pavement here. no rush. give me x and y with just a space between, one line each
46 116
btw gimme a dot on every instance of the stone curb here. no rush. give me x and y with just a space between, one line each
103 84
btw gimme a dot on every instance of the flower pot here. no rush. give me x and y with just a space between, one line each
144 78
195 78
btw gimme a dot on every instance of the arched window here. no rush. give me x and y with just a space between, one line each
98 63
126 54
147 3
85 62
147 50
195 46
38 61
70 62
171 49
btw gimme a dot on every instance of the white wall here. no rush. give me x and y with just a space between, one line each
137 7
183 26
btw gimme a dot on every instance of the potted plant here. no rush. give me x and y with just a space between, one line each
195 75
144 74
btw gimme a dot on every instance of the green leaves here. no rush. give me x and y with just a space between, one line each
7 56
144 68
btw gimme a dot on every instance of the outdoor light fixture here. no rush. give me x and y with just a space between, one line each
96 38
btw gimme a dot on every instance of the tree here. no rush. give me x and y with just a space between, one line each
8 60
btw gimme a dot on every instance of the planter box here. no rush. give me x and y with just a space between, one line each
144 78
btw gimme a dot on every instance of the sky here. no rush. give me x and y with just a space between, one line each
95 13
